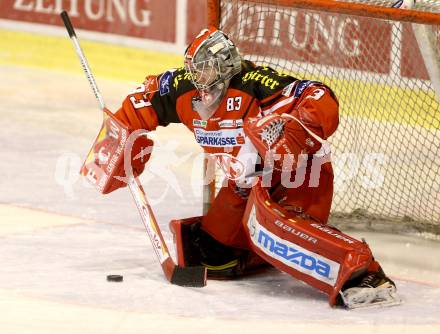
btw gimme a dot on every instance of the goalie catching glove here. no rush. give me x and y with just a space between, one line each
281 139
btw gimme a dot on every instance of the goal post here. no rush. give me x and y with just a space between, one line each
383 65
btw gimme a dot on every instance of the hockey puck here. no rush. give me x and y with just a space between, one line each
115 278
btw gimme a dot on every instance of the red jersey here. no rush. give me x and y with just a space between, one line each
256 91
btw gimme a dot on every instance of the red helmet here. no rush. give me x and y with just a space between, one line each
211 59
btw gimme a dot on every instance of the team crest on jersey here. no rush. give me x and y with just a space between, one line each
151 84
199 123
220 138
231 123
302 85
165 83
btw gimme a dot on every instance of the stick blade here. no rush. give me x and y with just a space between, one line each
189 276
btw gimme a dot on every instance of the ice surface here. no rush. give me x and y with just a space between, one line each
53 278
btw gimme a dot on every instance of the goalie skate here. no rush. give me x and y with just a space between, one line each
375 290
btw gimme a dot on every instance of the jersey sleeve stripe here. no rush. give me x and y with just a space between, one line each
278 105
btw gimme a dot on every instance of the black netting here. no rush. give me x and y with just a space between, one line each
386 151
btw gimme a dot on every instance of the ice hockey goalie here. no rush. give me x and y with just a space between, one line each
269 132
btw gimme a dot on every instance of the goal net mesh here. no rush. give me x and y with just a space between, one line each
386 150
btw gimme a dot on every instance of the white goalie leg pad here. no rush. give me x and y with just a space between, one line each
357 297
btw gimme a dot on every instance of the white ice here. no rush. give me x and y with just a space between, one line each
53 277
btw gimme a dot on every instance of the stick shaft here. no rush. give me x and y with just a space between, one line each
195 276
82 58
134 185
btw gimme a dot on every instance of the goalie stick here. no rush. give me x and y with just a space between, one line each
183 276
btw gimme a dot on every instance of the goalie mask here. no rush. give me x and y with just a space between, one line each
211 60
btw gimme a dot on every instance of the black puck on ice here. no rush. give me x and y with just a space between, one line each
115 278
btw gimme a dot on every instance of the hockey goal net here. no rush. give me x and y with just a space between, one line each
383 64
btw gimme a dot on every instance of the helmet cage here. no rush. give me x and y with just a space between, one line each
205 73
